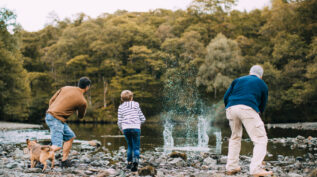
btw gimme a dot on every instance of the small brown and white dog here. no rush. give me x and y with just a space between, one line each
39 153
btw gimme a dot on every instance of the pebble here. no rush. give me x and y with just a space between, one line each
88 172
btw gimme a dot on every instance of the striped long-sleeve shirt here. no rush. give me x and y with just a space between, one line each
130 115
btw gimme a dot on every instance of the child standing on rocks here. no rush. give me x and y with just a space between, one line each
130 118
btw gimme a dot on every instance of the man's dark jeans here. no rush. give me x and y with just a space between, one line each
133 139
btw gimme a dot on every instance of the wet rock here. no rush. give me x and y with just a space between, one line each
12 165
209 161
294 175
4 153
302 146
74 153
202 174
95 143
178 155
204 167
222 160
299 158
179 162
300 137
280 157
160 174
85 159
33 170
96 164
86 147
293 146
88 172
18 154
147 171
298 165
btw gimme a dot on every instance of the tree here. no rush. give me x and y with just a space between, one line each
14 88
221 65
184 56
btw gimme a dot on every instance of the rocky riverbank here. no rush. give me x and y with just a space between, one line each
91 159
297 126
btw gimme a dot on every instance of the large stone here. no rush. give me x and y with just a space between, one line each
299 158
18 154
96 164
203 174
179 162
294 175
302 146
33 170
107 172
86 147
223 160
95 143
85 159
88 172
160 174
209 161
178 155
280 157
300 137
147 171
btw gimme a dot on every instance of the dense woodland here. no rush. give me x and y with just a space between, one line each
167 58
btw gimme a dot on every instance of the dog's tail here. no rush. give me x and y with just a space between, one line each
46 148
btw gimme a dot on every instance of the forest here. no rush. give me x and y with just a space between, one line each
167 58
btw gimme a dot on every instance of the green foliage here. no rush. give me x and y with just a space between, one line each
14 88
169 59
221 65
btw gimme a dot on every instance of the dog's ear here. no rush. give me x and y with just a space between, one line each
27 141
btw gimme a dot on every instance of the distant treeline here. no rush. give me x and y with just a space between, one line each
165 57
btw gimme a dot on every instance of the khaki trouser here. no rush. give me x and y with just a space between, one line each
238 115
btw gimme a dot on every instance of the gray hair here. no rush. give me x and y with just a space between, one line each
256 70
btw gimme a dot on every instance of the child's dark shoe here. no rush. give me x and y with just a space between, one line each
66 164
134 167
129 166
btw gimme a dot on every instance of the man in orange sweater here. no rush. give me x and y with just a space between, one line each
63 104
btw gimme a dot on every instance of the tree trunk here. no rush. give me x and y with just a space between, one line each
105 88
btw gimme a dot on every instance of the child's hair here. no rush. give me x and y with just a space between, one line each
126 95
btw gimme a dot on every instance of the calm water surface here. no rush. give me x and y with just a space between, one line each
152 138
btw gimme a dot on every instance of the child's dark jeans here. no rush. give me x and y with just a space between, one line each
133 139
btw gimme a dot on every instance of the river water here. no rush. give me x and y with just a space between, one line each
152 138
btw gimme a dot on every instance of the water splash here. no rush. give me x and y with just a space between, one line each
187 118
203 137
168 136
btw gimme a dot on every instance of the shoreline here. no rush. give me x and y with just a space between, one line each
17 126
297 126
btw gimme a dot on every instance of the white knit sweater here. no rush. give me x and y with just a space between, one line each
130 115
